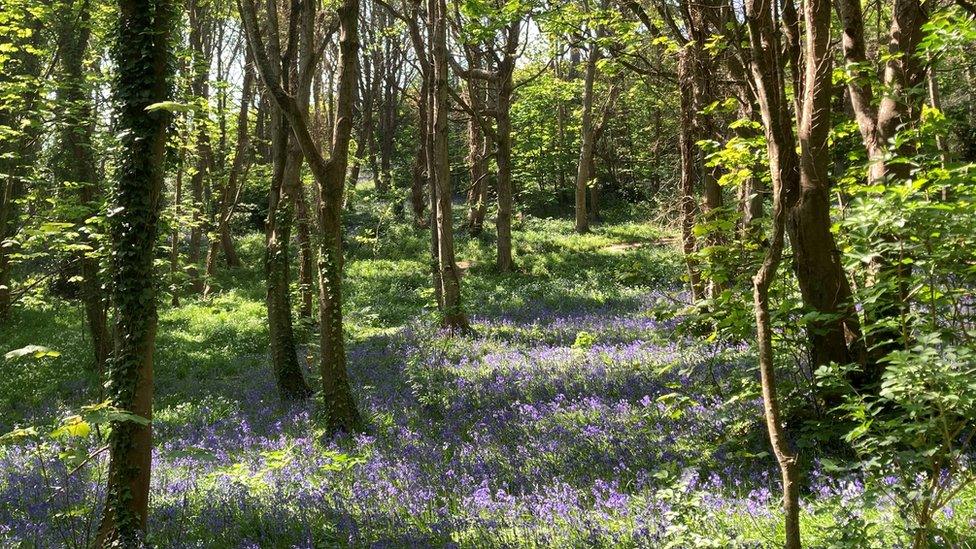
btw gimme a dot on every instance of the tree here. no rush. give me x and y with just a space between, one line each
75 163
589 134
341 411
502 37
20 71
766 73
143 56
903 73
202 46
453 316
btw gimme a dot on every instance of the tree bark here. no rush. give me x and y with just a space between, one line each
503 158
766 70
903 72
453 316
689 173
823 282
75 164
477 149
201 44
341 412
306 255
284 357
142 54
584 176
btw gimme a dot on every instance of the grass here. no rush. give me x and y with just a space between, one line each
577 416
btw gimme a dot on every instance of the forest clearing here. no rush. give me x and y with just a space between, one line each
487 273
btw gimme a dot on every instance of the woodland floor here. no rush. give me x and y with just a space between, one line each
576 416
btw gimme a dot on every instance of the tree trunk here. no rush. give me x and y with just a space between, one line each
341 413
584 174
174 249
142 55
750 191
75 164
453 316
903 71
477 151
823 282
688 172
503 148
306 263
284 357
419 172
200 44
766 73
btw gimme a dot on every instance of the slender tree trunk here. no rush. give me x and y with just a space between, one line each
935 101
584 174
142 55
688 173
341 412
750 191
174 250
477 151
200 44
75 163
419 172
503 148
766 69
453 316
284 357
306 263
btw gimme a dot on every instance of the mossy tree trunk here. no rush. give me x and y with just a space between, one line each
143 56
330 175
287 161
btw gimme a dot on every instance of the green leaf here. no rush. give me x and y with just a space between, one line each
35 351
169 106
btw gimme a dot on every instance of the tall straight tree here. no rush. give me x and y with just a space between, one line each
593 122
74 161
330 175
143 56
453 315
286 160
503 46
202 46
478 144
